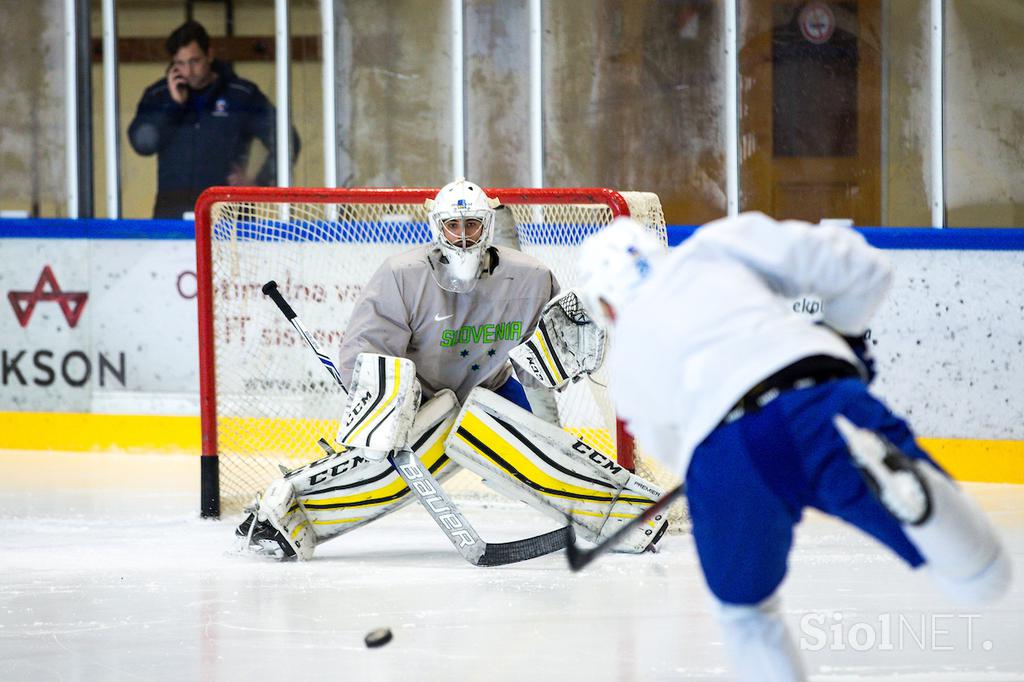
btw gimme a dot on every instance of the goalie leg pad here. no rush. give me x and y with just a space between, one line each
280 508
382 404
527 459
346 490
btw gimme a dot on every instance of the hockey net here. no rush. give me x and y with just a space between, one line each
265 399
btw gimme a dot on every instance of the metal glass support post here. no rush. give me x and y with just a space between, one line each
111 122
70 110
536 95
938 186
732 123
282 62
328 94
458 92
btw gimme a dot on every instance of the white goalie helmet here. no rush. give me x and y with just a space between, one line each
461 220
613 263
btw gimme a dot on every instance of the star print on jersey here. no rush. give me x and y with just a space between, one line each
491 352
464 353
475 367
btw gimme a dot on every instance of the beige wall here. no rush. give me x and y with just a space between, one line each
907 156
633 99
32 176
984 113
394 93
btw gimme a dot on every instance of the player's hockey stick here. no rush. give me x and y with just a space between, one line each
580 557
270 289
430 493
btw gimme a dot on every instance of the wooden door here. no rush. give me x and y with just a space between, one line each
810 103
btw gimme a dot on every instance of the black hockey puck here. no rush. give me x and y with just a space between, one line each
378 637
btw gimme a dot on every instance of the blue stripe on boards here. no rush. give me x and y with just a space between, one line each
920 238
95 228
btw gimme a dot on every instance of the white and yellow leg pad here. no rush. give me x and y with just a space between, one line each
340 492
382 404
527 459
278 506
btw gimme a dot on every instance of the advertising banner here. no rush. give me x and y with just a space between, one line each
98 325
109 326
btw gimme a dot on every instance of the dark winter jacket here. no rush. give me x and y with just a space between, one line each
200 142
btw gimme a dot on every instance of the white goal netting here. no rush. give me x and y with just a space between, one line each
269 399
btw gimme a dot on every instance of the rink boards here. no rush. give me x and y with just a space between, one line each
98 342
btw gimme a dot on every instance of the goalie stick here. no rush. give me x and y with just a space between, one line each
429 492
580 557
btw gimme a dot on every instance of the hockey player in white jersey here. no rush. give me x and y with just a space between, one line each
766 413
452 309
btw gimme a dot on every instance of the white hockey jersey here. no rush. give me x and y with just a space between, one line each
715 318
458 341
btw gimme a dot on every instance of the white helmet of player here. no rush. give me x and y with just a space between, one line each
462 225
613 263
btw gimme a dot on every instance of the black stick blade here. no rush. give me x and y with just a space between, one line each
578 558
501 553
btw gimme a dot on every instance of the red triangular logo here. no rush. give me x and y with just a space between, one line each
71 303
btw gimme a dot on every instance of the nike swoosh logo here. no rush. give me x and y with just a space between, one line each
438 318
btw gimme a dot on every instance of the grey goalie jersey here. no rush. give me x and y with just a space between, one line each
458 341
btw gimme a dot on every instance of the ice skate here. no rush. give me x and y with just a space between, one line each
258 536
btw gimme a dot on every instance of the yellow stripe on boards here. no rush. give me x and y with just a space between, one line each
273 437
390 399
88 432
982 461
482 432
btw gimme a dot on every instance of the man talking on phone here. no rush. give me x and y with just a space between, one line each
200 120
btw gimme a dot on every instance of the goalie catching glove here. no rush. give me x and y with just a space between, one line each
566 345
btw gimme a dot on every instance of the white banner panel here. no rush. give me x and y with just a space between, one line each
98 325
109 325
949 342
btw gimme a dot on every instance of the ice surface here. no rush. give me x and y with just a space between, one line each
106 573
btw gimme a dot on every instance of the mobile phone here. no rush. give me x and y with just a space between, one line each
180 86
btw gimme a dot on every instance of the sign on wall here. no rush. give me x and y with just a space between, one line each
96 325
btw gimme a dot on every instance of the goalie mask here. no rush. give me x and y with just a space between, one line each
462 225
613 263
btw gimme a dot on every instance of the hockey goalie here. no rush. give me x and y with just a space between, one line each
426 363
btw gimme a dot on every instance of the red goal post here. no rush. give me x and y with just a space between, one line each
263 403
